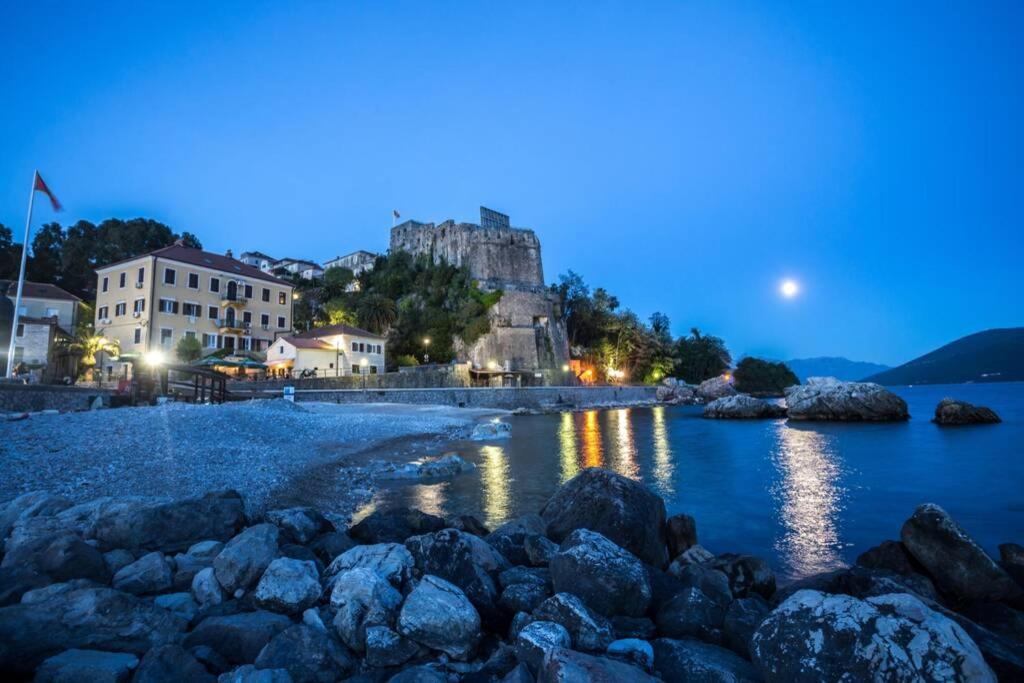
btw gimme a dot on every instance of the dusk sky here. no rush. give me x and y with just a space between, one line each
688 157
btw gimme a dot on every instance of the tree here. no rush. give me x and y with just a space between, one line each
761 377
45 264
188 349
377 313
337 312
701 357
10 254
87 346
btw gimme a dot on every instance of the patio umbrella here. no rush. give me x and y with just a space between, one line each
252 364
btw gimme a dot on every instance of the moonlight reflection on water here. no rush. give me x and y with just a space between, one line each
494 475
809 501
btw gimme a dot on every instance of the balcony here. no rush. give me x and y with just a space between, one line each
233 299
233 324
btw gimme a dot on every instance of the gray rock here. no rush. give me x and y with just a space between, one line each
70 616
245 557
27 505
536 639
1011 556
250 674
438 615
168 527
390 560
206 590
180 604
288 586
362 598
519 622
299 525
741 620
519 674
539 550
622 510
826 398
861 582
328 546
715 388
696 554
633 651
523 597
419 674
748 575
307 654
680 534
467 523
589 631
148 574
171 664
115 559
814 636
957 564
16 581
199 557
953 412
691 661
69 557
562 665
608 579
492 429
633 627
891 556
394 525
698 609
238 638
509 539
385 647
94 666
537 576
211 660
742 407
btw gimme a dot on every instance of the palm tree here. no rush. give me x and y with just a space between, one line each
87 345
377 313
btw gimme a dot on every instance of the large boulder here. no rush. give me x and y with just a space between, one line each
87 665
361 599
16 581
608 579
199 556
536 639
742 407
957 564
69 557
680 533
65 616
238 638
953 412
394 525
715 388
168 527
741 621
390 560
27 505
1011 555
387 647
148 574
826 398
622 510
171 664
512 537
299 525
589 631
438 615
246 556
288 586
747 574
686 660
308 654
814 636
698 607
561 665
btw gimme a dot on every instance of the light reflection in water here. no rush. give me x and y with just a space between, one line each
809 501
567 450
494 475
625 446
663 465
431 498
592 453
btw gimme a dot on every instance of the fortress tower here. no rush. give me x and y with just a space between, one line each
527 331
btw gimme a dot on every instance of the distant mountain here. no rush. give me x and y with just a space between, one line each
840 368
989 356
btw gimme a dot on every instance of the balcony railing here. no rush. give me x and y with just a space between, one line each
229 324
233 299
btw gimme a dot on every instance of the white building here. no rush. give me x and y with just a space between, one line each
258 259
357 261
308 270
332 351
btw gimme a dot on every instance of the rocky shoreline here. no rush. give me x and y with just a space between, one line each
598 586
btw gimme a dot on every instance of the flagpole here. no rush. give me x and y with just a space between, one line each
21 281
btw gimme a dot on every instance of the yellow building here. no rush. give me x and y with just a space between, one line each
331 351
151 301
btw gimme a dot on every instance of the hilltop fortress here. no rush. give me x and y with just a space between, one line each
527 331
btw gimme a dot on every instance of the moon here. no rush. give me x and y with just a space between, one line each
789 288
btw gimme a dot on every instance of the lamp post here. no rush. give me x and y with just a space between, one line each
426 348
337 357
362 370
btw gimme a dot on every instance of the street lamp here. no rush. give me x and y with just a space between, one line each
362 370
426 348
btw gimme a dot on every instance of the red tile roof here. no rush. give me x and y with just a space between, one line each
331 330
207 259
36 290
301 343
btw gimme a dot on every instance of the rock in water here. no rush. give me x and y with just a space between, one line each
440 616
953 412
394 525
742 407
564 665
956 563
87 665
680 661
715 388
814 636
288 586
246 556
486 431
66 616
826 398
608 579
620 509
168 527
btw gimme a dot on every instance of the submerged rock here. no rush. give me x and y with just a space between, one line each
743 407
494 429
953 412
814 636
430 468
826 398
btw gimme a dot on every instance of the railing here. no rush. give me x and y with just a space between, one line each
233 299
226 323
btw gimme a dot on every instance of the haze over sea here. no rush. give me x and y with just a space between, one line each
808 496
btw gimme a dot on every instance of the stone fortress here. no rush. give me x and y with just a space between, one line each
527 331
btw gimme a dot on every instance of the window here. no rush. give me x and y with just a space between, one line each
280 321
265 320
122 280
373 369
214 284
139 306
121 308
362 347
248 291
51 313
102 312
170 277
280 349
106 281
282 298
138 335
168 306
247 317
165 336
21 330
246 343
266 294
141 275
211 312
193 280
193 310
210 341
355 369
191 334
355 346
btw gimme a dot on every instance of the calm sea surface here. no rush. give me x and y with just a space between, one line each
808 496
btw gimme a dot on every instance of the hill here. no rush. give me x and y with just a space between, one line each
989 356
840 368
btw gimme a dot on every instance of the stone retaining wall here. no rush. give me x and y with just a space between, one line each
30 398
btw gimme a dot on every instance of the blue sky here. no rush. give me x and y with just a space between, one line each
686 156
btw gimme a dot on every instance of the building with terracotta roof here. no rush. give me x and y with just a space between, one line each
47 314
151 301
330 351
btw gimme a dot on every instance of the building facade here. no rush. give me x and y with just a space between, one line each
47 314
258 259
331 351
357 261
151 301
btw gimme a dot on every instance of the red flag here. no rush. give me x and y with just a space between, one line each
40 186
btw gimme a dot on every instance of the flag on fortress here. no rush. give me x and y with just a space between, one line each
394 212
40 186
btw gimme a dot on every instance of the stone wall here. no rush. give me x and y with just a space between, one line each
408 378
30 398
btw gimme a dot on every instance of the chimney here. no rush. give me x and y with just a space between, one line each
228 254
179 242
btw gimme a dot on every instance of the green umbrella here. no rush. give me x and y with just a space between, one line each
210 361
250 363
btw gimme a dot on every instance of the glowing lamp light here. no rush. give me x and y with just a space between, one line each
565 368
727 377
789 288
364 362
492 365
426 341
615 373
154 357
